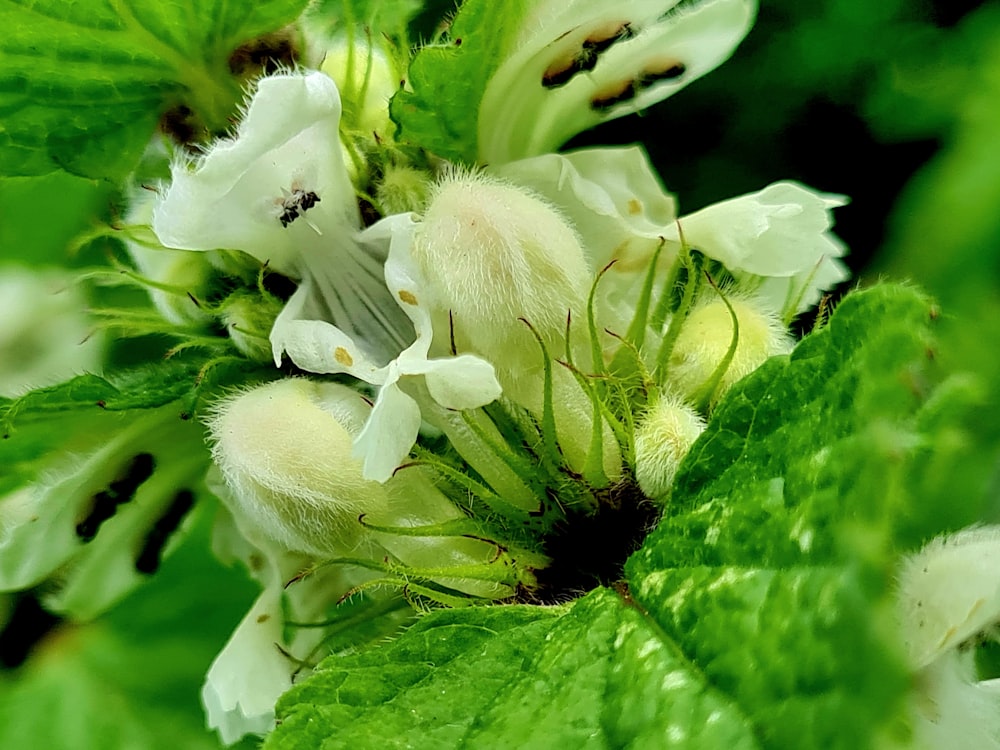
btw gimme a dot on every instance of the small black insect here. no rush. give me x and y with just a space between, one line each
295 204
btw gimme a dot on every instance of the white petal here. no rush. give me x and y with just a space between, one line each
249 674
317 346
232 198
462 382
390 432
950 591
612 196
522 116
779 231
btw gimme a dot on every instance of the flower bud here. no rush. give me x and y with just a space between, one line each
248 319
664 436
496 253
285 450
949 592
706 336
367 80
402 189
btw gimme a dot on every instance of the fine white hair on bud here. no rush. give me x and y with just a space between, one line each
705 339
950 591
948 595
495 253
285 451
662 440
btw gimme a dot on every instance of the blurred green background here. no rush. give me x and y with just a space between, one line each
894 103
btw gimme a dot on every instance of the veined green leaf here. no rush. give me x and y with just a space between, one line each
773 567
439 109
758 615
83 84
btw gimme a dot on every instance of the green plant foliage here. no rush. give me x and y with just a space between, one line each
132 678
596 674
82 85
440 107
77 414
762 604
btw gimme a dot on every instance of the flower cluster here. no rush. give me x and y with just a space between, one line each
467 358
513 343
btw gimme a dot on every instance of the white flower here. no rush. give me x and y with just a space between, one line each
280 191
257 663
949 593
579 63
86 521
284 449
612 196
777 239
45 337
777 242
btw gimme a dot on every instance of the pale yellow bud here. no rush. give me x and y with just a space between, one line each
367 80
495 253
285 450
664 437
248 319
402 189
705 339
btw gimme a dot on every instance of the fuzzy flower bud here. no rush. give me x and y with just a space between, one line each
367 80
494 254
402 189
949 594
285 450
706 336
248 319
662 440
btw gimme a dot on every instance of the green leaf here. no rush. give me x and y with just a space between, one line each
130 679
447 79
758 615
83 84
773 568
77 414
595 675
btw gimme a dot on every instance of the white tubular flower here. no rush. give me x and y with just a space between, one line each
250 672
777 240
949 593
579 63
462 382
280 191
615 200
611 195
494 254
